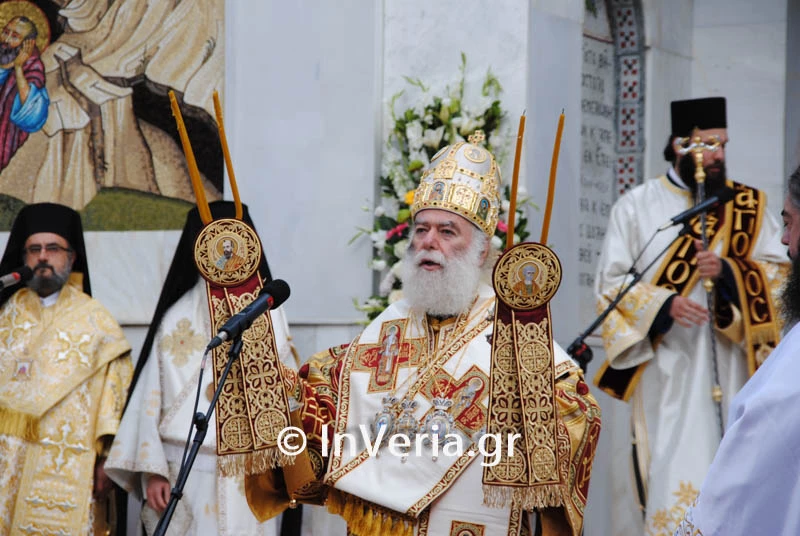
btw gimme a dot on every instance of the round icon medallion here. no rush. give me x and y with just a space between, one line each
527 276
227 252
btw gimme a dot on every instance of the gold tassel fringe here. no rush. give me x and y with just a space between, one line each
366 519
253 463
529 498
18 424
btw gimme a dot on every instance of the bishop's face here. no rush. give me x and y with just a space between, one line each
50 257
442 268
440 231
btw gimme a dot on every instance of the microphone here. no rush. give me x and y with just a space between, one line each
723 197
271 296
20 275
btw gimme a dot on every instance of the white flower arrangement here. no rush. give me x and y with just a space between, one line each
416 135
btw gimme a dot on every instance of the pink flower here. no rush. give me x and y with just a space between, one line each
396 230
501 225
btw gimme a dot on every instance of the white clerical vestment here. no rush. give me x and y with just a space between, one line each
442 489
675 421
157 422
752 485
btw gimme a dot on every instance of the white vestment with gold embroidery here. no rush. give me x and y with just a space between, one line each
443 494
674 418
65 367
157 422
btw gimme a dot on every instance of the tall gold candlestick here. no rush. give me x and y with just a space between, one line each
512 207
551 188
237 201
194 172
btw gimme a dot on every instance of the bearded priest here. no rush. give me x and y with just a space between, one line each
677 350
396 421
64 373
147 453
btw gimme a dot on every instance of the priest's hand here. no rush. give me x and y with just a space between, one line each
708 263
158 490
687 312
102 484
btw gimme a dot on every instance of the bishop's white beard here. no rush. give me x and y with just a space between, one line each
449 291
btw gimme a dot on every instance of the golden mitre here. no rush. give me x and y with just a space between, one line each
463 178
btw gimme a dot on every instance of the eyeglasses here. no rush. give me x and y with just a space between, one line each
51 249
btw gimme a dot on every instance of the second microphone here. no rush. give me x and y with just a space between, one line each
271 296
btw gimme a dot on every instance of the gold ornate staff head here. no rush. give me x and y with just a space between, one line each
697 147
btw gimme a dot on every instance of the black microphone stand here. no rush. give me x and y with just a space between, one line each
579 350
200 422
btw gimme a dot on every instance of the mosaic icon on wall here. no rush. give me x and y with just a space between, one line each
89 124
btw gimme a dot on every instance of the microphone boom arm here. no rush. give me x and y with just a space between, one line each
200 425
578 349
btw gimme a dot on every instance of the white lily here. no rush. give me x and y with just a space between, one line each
414 135
433 137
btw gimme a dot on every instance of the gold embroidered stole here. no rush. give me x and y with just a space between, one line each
534 473
761 322
253 406
738 231
523 391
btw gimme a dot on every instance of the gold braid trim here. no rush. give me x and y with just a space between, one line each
542 496
253 463
365 518
19 424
